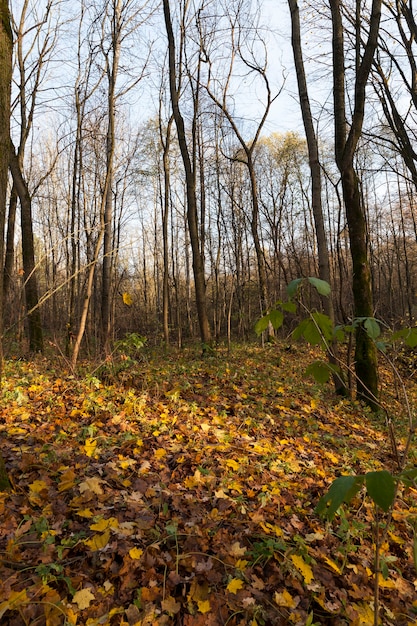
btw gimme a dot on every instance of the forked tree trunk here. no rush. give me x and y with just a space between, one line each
190 177
366 365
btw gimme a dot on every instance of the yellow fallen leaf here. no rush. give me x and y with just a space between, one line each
83 598
85 513
233 464
90 446
67 480
386 583
241 564
16 599
365 613
303 567
204 606
37 486
92 484
135 553
104 524
333 565
160 453
98 542
285 599
237 550
234 585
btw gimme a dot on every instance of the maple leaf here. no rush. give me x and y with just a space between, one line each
83 598
234 585
170 605
92 484
203 606
285 599
135 553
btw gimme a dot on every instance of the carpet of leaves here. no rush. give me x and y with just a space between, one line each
182 491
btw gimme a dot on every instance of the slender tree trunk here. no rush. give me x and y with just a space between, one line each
366 365
28 254
6 44
190 176
315 170
112 66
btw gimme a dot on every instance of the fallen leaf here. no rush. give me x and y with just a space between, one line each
83 598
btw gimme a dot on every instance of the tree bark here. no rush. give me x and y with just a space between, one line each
28 254
316 186
190 177
366 365
6 45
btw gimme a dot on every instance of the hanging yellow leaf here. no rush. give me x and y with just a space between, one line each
98 542
204 606
135 553
303 567
83 598
127 298
234 585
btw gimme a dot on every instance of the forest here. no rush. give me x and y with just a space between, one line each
208 237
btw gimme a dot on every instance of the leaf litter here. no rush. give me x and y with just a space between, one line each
184 493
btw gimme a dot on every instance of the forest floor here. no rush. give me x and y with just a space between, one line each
182 489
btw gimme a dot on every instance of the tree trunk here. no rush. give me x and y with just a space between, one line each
190 176
366 365
6 45
28 254
316 186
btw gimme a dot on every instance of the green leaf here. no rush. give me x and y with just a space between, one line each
322 287
343 489
320 371
292 288
381 488
276 318
262 324
372 327
411 338
325 324
289 307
